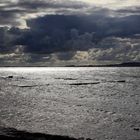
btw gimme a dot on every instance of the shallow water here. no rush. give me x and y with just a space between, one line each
98 103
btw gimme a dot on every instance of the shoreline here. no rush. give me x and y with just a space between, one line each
14 134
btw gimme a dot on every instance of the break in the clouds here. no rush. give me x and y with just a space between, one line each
61 32
113 4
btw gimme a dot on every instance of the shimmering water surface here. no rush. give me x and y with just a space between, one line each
97 103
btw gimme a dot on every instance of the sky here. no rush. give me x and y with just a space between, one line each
69 32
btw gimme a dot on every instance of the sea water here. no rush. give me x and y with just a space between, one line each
90 102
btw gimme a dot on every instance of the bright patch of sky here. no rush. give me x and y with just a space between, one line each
113 4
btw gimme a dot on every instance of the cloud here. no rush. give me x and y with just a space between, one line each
61 33
18 11
109 49
113 4
34 4
118 49
73 32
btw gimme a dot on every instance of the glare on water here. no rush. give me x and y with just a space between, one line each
79 102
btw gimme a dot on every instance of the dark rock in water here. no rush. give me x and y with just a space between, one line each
65 78
26 86
69 79
13 134
10 77
137 129
121 81
80 84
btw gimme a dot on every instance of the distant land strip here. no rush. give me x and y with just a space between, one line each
127 64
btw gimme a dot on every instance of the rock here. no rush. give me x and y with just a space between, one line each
10 77
80 84
121 81
137 129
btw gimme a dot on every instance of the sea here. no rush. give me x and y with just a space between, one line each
82 102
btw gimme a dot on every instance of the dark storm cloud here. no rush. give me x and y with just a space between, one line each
33 4
63 33
99 23
52 33
69 34
12 12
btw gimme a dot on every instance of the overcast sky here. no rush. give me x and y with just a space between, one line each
62 32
